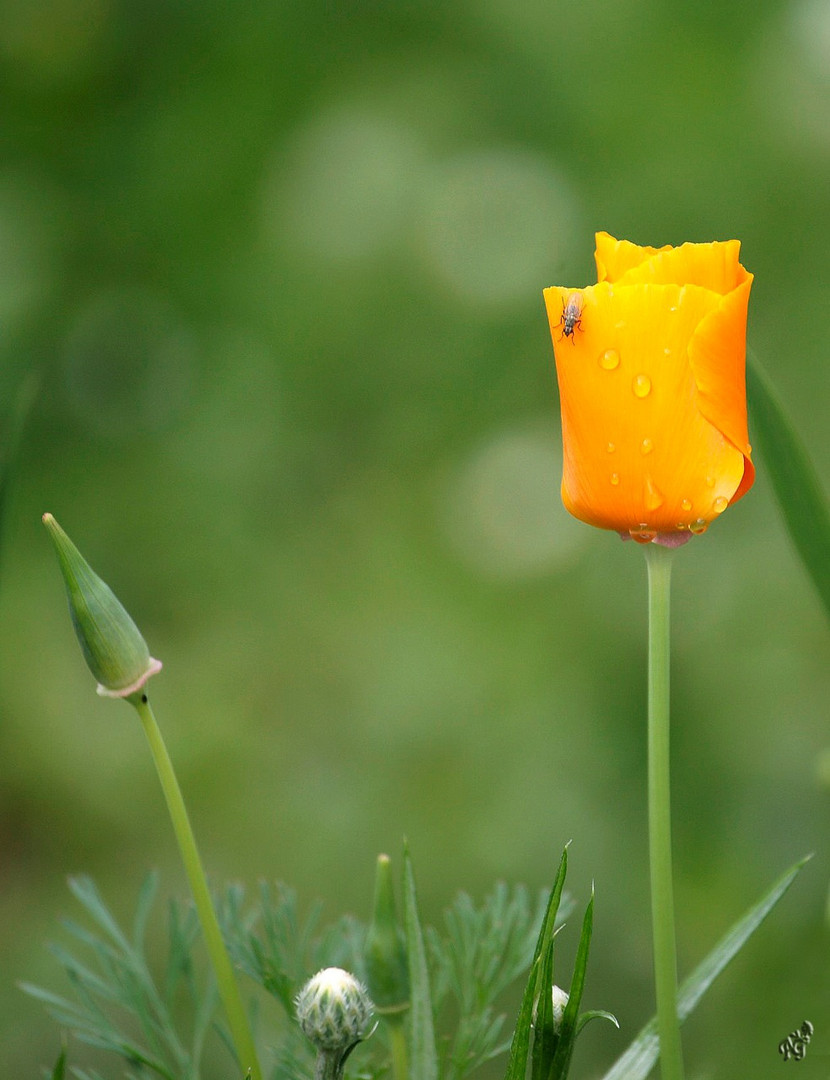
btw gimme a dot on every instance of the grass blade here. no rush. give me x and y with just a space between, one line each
794 480
639 1059
545 1035
59 1071
570 1020
423 1054
520 1047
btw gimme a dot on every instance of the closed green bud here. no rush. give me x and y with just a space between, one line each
387 969
334 1011
115 652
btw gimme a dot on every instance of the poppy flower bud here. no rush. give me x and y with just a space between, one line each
334 1011
115 652
650 363
387 969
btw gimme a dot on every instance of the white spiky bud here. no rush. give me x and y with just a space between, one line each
334 1010
560 1000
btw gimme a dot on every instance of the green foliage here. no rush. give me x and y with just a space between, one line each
640 1058
118 1005
159 1025
271 943
423 1051
483 951
553 1037
59 1071
385 953
797 488
458 976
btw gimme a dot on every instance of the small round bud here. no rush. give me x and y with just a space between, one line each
334 1010
112 644
560 1000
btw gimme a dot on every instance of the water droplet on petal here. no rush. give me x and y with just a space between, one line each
699 526
643 535
609 360
646 446
652 496
710 481
673 307
615 478
685 504
641 386
611 447
720 504
667 351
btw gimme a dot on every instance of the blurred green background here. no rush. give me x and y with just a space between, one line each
279 265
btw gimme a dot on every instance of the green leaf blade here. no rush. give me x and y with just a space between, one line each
641 1056
520 1046
59 1071
570 1019
794 480
423 1053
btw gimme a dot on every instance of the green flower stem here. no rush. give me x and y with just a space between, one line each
397 1042
225 978
658 559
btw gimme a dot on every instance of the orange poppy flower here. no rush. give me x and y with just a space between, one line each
651 364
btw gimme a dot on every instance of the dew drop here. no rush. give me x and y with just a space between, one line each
615 478
653 497
673 307
720 504
641 386
667 351
609 360
611 447
698 526
646 446
685 504
643 535
710 481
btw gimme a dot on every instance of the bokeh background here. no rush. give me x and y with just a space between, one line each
278 265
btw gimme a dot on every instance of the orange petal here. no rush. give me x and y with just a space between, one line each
713 266
638 450
616 257
717 354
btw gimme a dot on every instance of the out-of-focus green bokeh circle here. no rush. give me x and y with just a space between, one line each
280 268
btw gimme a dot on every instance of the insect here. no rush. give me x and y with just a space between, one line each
571 320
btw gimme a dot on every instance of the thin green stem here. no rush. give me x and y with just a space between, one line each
658 559
225 978
397 1042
